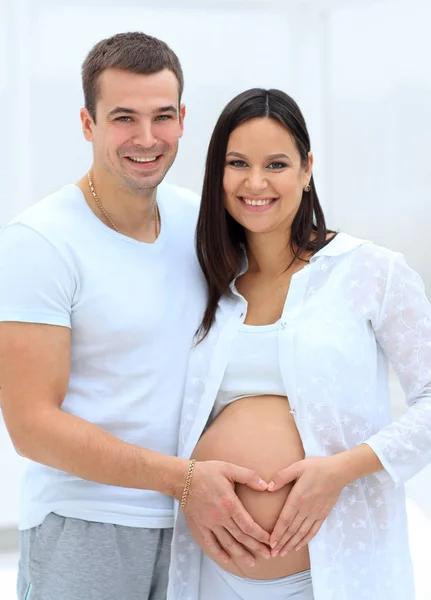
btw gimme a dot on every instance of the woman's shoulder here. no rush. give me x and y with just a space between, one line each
363 265
359 250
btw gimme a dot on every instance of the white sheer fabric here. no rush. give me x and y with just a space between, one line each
355 306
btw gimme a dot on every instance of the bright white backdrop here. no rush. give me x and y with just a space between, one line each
358 68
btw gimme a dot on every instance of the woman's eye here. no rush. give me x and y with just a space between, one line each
277 165
237 163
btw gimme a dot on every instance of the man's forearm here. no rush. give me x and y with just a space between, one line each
73 445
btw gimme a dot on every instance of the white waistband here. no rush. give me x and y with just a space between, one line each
298 585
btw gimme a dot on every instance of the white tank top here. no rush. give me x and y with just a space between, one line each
253 367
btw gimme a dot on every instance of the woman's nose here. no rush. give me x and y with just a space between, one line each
256 181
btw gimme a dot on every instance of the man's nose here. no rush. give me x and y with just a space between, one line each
145 137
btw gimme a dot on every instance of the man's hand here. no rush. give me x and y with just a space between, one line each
226 527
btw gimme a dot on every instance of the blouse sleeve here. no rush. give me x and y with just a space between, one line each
403 330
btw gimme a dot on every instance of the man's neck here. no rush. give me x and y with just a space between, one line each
132 213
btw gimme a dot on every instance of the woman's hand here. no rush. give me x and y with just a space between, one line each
317 487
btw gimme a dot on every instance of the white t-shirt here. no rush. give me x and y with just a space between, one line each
133 309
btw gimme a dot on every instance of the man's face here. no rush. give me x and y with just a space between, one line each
138 125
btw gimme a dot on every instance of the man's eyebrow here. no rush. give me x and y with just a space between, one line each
122 110
164 109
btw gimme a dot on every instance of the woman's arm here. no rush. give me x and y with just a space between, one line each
403 330
402 327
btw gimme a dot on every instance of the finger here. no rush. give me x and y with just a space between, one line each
248 477
283 477
232 547
249 542
212 545
310 535
287 515
289 532
296 539
246 524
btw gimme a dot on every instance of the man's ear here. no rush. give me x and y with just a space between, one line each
87 124
182 116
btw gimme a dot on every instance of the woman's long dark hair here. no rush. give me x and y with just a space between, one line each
220 239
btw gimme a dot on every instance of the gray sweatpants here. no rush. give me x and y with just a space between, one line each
71 559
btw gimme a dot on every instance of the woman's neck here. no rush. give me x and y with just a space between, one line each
269 253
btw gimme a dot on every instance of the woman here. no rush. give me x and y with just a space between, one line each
289 375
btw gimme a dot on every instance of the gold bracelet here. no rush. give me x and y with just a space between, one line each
187 484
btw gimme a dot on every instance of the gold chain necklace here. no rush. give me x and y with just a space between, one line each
108 218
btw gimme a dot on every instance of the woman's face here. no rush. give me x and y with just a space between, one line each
263 178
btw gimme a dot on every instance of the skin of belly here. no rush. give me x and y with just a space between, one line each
258 433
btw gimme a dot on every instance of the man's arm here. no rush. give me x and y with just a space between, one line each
34 377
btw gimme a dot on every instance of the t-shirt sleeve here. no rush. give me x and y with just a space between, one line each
37 285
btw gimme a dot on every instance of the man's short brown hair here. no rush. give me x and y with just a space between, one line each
135 52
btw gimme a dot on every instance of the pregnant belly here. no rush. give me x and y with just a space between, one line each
258 433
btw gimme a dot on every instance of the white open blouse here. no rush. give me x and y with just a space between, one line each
353 307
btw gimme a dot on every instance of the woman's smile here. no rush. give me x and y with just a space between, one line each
257 203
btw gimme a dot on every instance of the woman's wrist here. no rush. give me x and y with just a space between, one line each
356 463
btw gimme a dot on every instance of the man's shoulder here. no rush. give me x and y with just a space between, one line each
53 212
179 198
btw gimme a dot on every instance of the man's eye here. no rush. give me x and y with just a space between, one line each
163 117
277 165
123 119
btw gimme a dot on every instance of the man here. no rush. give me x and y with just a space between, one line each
100 296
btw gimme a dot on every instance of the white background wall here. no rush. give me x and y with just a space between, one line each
380 115
359 70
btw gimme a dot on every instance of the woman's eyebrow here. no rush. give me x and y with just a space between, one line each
270 157
238 154
280 155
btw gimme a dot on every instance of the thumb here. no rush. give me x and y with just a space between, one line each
284 477
248 477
